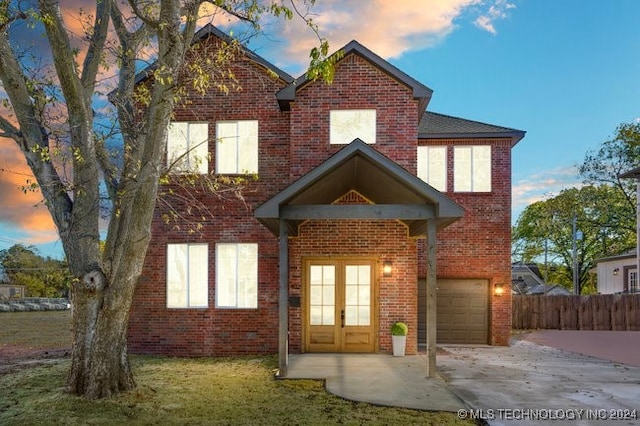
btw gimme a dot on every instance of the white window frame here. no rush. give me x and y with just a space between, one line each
472 168
236 278
188 147
432 166
187 275
237 147
345 125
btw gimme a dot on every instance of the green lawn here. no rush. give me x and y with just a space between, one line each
179 391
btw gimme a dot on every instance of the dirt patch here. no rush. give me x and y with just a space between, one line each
33 338
15 358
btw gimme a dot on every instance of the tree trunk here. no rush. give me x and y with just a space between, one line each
100 364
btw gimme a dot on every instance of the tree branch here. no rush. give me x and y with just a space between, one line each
96 48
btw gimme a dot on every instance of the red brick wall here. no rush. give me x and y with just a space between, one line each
356 85
206 332
479 244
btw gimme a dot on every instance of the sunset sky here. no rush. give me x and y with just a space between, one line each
567 72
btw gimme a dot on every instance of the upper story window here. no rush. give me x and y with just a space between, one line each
188 147
237 147
187 276
472 168
236 275
432 166
349 124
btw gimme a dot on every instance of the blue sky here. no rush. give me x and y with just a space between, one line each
565 71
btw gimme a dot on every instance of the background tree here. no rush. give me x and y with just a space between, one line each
545 230
42 276
603 166
52 114
605 212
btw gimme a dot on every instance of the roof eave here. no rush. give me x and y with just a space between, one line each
633 173
515 136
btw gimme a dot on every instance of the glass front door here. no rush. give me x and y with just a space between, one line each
339 305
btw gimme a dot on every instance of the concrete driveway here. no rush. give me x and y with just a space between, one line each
531 384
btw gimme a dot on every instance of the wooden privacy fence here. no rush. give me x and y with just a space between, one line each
596 312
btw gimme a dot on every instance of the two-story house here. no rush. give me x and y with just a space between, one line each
368 209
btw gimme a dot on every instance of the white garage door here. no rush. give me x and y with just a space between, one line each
462 311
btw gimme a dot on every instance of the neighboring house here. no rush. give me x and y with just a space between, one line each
527 279
525 276
362 194
10 291
618 274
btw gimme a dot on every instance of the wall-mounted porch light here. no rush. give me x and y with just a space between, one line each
498 289
615 271
387 268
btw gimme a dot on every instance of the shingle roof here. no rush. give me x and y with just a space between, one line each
440 126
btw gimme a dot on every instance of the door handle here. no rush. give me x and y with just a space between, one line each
342 318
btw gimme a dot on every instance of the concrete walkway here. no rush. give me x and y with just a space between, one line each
524 384
521 384
377 379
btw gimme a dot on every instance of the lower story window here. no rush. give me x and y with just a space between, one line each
236 275
187 275
633 281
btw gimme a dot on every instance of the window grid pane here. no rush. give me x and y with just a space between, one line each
347 125
187 275
188 147
322 294
472 169
237 147
357 295
432 166
237 275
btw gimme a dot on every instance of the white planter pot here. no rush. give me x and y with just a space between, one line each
398 343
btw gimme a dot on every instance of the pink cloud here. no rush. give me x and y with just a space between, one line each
388 28
23 209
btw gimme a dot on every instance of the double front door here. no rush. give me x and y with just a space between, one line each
340 309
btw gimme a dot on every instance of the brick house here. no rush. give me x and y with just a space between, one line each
353 178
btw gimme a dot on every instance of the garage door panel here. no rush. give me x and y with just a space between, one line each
462 311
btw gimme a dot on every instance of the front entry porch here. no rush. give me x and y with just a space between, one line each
304 214
377 379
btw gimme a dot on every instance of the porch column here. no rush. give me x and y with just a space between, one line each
283 300
431 298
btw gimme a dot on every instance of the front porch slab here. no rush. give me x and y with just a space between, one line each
377 379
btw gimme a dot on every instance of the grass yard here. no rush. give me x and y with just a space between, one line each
178 391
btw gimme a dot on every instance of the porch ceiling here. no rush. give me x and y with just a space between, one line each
397 194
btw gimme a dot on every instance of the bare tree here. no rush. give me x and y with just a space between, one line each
105 279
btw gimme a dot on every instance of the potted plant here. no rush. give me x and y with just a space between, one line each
399 332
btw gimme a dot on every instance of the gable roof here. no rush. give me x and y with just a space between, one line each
629 254
439 126
210 30
419 90
360 167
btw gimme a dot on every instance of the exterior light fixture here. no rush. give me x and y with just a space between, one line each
387 268
498 289
615 271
